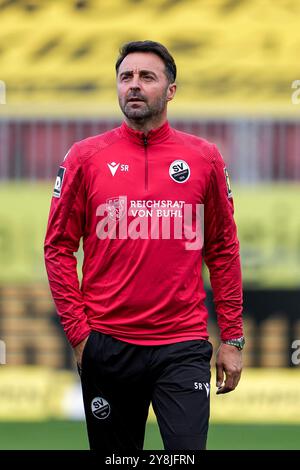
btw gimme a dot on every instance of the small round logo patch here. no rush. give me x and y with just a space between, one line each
179 171
100 408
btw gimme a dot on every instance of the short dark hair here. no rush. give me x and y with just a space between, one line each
155 48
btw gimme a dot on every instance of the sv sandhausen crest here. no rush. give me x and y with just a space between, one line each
100 408
179 171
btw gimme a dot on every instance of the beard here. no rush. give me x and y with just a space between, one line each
144 110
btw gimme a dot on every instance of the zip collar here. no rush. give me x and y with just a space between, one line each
154 136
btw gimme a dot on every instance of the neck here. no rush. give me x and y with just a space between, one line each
146 125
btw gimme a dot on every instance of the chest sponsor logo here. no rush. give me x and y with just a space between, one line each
151 219
179 171
116 207
113 167
59 181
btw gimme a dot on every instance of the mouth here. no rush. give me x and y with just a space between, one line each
135 100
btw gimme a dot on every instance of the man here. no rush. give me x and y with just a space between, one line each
138 323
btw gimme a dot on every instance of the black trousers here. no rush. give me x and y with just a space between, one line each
120 380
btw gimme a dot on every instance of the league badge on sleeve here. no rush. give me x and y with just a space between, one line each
229 190
59 181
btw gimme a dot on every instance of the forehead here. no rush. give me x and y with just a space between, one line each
142 61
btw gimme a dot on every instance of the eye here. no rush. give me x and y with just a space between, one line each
148 78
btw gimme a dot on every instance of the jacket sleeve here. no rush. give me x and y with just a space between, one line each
221 251
64 230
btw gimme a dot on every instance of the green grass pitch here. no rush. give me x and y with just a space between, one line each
71 435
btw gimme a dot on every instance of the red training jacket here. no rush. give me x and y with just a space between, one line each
127 196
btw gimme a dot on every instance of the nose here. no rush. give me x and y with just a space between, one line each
135 89
135 82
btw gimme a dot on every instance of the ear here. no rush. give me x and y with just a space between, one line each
171 91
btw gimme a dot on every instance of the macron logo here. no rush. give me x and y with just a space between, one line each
206 388
202 386
113 166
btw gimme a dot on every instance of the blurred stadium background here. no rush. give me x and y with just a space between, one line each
237 61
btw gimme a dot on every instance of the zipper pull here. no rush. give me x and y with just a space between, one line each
145 140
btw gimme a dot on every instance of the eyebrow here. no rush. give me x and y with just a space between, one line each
141 72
